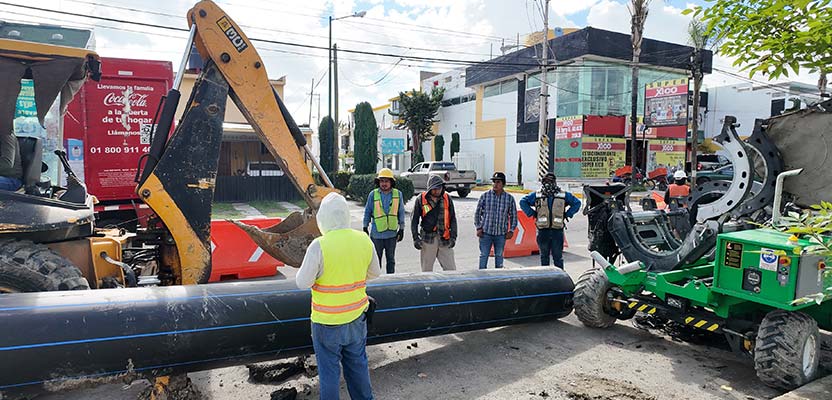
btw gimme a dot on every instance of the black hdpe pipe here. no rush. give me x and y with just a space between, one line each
53 337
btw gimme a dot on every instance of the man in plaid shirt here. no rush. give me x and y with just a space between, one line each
495 220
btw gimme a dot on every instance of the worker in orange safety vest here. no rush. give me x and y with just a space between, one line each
434 226
678 191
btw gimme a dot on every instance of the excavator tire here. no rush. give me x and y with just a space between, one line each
29 267
591 299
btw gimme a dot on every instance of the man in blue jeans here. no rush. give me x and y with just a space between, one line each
384 217
551 208
495 220
337 266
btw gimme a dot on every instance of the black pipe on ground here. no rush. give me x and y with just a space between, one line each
54 339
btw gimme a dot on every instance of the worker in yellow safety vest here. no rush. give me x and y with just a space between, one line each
384 217
337 266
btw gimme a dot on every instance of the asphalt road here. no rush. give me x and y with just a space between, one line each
550 360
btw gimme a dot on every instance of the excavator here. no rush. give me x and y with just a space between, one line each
48 239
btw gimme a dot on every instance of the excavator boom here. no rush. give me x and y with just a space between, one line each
179 177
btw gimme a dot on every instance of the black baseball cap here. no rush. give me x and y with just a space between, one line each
549 175
499 176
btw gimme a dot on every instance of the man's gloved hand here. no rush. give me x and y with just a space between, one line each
453 243
400 235
366 230
509 234
417 243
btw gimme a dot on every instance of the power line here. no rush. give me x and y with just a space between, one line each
162 14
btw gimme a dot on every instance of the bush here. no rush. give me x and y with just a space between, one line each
326 139
439 147
361 185
454 144
340 179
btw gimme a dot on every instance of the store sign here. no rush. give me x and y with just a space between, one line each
569 127
392 146
666 103
668 154
600 156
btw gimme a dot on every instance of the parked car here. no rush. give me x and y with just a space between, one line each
723 173
263 168
457 181
706 162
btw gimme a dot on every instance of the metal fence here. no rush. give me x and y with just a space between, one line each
248 188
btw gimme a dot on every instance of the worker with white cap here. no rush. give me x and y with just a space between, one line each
678 191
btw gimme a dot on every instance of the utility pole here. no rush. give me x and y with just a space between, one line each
335 99
329 76
543 132
311 95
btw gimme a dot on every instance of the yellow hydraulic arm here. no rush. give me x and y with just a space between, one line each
180 173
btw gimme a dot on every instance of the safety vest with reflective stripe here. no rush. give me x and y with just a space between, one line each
339 295
550 218
386 221
426 208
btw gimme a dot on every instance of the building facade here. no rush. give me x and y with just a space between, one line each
494 106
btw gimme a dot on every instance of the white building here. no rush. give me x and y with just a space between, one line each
750 101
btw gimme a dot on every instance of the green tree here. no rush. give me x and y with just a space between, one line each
326 139
454 144
417 111
439 147
772 37
366 139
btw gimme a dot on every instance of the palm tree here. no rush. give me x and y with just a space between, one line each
638 15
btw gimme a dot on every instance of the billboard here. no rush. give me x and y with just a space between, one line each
568 158
666 153
666 103
600 156
569 127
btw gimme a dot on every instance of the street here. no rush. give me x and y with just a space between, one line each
555 359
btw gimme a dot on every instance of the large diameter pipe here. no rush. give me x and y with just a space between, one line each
50 338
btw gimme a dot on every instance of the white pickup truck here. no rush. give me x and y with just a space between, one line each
457 181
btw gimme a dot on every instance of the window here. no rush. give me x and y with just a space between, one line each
503 87
443 166
607 91
568 90
492 90
533 81
508 86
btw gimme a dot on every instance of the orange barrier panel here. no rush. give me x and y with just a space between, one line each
524 241
235 256
659 197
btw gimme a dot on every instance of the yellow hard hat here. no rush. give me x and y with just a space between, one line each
386 173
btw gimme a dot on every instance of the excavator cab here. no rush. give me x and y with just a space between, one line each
39 213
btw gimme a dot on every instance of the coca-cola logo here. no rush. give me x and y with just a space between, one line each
117 99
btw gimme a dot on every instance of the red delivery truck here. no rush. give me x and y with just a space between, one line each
107 129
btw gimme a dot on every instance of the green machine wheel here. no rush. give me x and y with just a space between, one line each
787 350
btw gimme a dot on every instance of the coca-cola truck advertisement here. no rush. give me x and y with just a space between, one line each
107 129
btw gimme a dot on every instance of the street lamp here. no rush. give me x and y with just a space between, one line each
334 79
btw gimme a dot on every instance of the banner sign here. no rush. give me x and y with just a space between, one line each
600 156
569 127
666 153
568 158
666 103
392 146
532 105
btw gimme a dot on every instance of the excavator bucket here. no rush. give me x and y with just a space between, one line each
287 240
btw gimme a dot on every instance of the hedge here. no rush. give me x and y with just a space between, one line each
340 179
361 185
